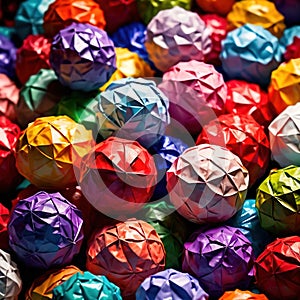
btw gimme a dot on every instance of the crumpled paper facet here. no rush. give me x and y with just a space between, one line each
50 148
122 172
32 56
42 287
4 218
284 88
45 231
133 108
284 133
258 12
126 253
171 284
277 269
220 258
219 7
250 53
10 280
242 135
83 57
245 295
278 202
197 94
61 13
175 35
293 50
207 183
288 37
8 54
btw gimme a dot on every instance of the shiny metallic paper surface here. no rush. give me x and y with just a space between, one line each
45 231
220 258
175 35
83 57
245 295
171 284
207 183
126 253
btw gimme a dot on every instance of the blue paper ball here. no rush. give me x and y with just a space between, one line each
250 53
7 57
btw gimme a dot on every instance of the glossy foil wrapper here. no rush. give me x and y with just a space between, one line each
197 94
45 231
9 175
61 13
207 183
284 136
249 99
43 286
175 35
124 111
32 56
9 97
83 57
10 280
278 202
250 53
49 149
4 218
284 89
242 135
220 258
293 50
258 12
126 253
277 269
218 7
122 172
170 284
245 295
8 57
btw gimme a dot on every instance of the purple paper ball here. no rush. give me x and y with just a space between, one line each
45 231
220 258
171 284
8 56
83 57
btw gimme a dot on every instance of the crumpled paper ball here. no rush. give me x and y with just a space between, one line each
207 184
83 57
148 9
242 135
4 218
39 96
293 50
171 284
45 231
122 172
128 64
277 201
219 7
42 287
218 28
284 136
290 9
118 13
277 270
50 149
175 35
249 99
8 57
87 286
171 228
288 37
29 17
247 221
62 13
9 175
284 89
32 56
126 253
133 108
250 53
9 97
258 12
245 295
197 94
10 280
220 258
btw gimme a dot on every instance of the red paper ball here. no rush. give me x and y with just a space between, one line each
277 269
249 99
219 7
4 218
32 56
293 50
243 136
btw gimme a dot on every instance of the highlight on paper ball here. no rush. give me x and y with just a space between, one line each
245 295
